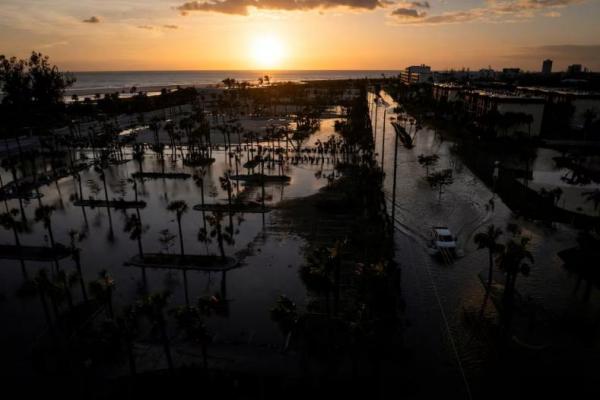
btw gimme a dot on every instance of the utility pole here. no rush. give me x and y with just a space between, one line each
394 183
383 138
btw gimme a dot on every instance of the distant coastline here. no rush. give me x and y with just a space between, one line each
89 83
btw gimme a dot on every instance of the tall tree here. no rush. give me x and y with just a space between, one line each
489 240
179 207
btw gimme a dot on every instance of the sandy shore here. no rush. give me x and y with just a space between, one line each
90 92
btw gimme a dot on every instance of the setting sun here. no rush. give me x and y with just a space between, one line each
267 51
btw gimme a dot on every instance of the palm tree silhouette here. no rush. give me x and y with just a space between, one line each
102 290
489 240
514 258
76 254
134 227
44 213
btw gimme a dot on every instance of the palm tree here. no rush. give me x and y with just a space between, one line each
439 179
155 127
102 289
9 222
76 253
428 161
103 178
133 226
514 258
179 207
44 213
489 240
214 221
284 313
138 155
153 306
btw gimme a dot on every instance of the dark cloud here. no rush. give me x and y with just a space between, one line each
495 11
420 4
241 7
92 20
568 53
408 13
170 27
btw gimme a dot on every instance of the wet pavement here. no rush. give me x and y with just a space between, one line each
438 293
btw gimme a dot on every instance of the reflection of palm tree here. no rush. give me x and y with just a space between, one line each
44 213
214 221
488 240
8 222
179 207
134 227
103 178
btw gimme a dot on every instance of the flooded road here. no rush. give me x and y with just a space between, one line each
437 294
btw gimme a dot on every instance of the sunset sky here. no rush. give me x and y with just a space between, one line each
302 34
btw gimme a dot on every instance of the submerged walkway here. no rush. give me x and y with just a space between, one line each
33 253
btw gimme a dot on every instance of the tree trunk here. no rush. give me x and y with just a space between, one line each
77 258
180 236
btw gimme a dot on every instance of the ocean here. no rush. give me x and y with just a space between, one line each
103 82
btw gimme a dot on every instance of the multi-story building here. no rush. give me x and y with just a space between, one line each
416 74
547 67
479 103
574 69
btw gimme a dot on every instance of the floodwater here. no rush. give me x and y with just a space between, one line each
437 293
271 257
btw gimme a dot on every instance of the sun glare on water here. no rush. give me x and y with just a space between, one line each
267 51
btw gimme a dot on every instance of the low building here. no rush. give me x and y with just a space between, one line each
511 72
446 92
416 74
480 103
584 105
